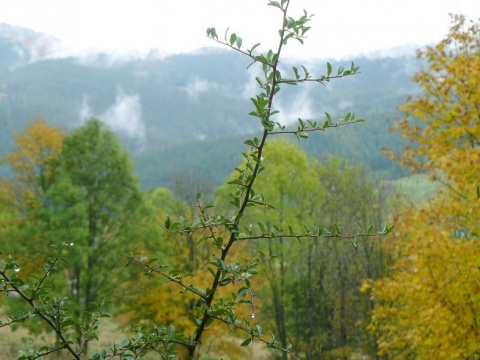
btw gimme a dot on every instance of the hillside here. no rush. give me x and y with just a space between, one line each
185 113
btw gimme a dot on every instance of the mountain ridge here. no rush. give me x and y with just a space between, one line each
164 107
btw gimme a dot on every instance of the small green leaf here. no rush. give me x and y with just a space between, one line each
171 331
259 330
242 291
305 71
338 231
299 40
168 223
295 70
194 320
254 47
261 226
225 281
302 134
233 38
329 69
246 342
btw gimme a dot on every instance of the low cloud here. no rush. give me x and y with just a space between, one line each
198 86
299 107
124 116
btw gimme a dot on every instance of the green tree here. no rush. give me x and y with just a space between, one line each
336 311
312 290
100 174
77 190
34 164
290 180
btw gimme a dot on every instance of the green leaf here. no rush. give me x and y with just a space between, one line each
226 34
209 322
254 47
305 71
225 281
194 320
352 241
242 291
261 226
196 290
370 229
246 342
329 69
295 70
338 231
302 134
238 42
300 40
233 38
168 223
171 331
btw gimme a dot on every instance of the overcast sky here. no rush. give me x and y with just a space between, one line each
340 28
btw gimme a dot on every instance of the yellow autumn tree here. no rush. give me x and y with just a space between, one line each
429 306
34 162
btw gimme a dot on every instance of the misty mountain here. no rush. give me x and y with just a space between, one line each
186 112
20 46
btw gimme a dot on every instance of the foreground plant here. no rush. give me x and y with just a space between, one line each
53 312
225 231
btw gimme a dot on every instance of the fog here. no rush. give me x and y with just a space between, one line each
124 116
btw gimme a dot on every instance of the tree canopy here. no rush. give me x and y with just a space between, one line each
429 306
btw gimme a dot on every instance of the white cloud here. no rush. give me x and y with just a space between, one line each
198 86
125 115
298 107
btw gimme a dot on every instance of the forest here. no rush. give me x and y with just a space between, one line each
242 226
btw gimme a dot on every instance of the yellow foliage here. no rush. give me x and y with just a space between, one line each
34 163
429 306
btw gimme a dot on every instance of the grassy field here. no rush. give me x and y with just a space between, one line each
415 188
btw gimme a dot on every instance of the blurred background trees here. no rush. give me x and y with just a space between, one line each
429 306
